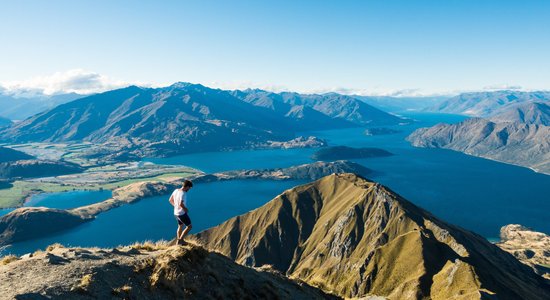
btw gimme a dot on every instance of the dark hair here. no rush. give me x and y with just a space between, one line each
187 183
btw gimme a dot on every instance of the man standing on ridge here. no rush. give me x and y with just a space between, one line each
178 199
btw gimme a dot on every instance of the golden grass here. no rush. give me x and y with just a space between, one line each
8 259
84 283
150 245
53 246
123 291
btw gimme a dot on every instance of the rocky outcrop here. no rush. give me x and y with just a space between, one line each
146 271
356 238
530 247
526 145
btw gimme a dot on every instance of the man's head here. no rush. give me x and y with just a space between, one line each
187 185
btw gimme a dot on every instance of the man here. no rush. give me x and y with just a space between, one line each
178 199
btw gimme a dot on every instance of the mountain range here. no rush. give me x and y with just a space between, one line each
319 107
190 117
518 135
485 104
355 238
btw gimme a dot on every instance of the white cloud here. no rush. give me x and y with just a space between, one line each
72 81
86 82
504 86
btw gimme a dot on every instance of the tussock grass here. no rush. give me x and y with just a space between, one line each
8 259
151 246
123 291
53 246
84 283
86 280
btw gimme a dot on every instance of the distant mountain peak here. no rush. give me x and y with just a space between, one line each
184 85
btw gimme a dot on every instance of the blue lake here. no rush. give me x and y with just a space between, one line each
64 200
67 200
474 193
152 218
211 162
5 211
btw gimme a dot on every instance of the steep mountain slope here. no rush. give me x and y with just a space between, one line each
528 113
526 145
483 104
315 108
355 238
142 271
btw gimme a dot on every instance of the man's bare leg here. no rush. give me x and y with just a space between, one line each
178 233
184 233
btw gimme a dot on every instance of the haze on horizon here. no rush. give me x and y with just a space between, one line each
368 47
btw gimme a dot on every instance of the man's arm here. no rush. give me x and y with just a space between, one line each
171 199
185 209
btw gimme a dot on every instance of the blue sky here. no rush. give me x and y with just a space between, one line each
371 46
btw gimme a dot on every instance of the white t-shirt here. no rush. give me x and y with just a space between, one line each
179 197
